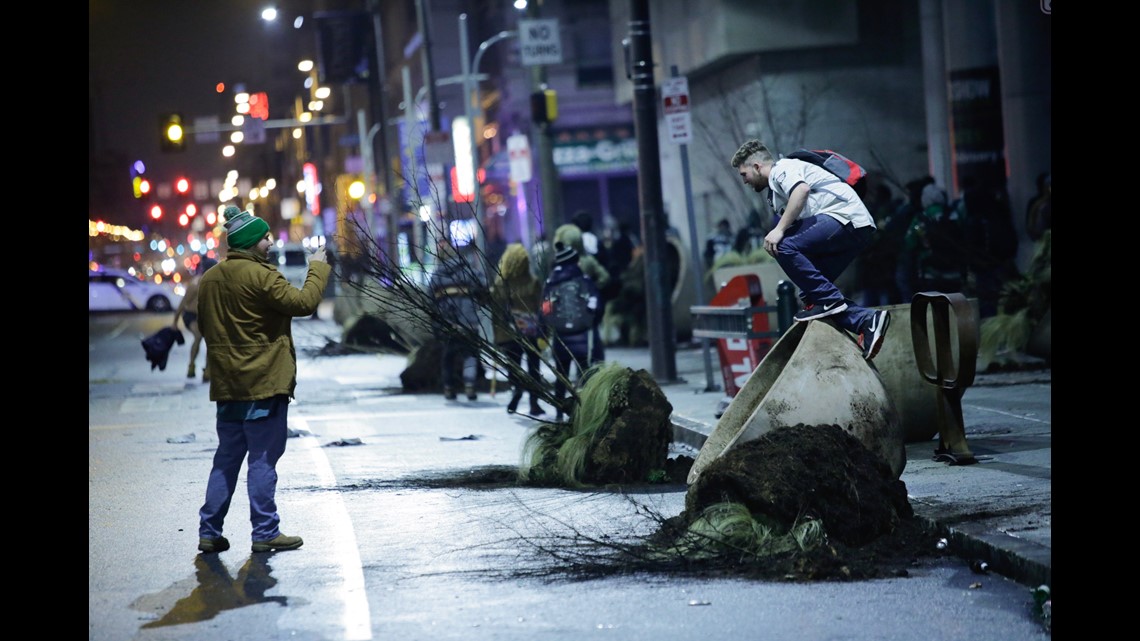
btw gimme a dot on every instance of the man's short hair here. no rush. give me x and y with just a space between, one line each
748 150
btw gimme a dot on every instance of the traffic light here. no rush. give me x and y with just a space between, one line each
141 187
182 185
544 106
171 133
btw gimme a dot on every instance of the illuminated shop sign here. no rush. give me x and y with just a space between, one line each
595 150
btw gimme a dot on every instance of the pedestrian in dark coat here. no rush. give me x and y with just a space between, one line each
458 290
579 350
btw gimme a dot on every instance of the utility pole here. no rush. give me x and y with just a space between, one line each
658 298
544 151
429 69
379 93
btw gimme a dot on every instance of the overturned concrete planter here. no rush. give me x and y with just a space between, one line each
815 375
915 400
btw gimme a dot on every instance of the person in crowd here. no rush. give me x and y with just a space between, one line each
750 237
188 312
719 243
574 352
990 239
896 231
619 247
1039 210
541 257
457 289
591 244
936 242
517 291
823 226
876 273
571 236
245 311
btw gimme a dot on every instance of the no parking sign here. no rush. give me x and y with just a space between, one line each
518 153
675 99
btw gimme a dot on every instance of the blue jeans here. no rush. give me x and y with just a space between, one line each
814 252
264 441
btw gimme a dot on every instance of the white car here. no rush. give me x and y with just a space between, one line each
118 290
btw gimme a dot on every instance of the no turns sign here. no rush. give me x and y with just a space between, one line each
539 42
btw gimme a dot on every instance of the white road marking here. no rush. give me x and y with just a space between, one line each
357 620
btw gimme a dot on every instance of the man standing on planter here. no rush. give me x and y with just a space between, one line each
823 225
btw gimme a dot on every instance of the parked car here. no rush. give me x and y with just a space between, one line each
118 290
292 260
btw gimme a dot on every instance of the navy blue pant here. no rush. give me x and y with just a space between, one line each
814 252
263 440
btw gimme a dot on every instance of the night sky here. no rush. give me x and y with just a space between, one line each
149 57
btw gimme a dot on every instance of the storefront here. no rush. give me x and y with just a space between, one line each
597 167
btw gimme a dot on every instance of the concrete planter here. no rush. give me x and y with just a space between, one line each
915 399
815 375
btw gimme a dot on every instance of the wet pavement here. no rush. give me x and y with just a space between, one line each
998 510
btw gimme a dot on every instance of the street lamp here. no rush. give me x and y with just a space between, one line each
470 69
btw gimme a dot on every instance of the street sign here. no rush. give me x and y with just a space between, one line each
539 42
206 130
518 153
678 120
253 131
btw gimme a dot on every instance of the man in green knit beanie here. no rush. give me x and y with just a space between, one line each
246 309
243 229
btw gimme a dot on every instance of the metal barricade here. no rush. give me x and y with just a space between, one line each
738 322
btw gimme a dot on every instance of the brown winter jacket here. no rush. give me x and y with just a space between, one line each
245 313
515 288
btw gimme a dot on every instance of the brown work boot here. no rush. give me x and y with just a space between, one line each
281 542
219 544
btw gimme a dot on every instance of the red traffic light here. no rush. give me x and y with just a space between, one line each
182 185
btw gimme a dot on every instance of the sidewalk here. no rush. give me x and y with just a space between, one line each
998 510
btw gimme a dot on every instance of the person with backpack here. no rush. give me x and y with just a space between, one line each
571 311
936 238
823 226
516 294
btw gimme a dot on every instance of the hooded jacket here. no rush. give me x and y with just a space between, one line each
245 313
515 289
571 236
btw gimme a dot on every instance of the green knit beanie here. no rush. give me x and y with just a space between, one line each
244 230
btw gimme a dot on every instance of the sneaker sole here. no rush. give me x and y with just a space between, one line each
275 548
878 344
824 313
